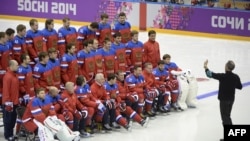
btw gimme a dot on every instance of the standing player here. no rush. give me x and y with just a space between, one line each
120 52
151 49
123 27
10 99
35 42
25 77
104 30
10 35
134 51
4 59
109 57
86 61
50 34
42 72
86 33
69 66
55 64
67 35
19 43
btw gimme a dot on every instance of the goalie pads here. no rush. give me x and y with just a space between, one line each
44 133
62 131
52 124
183 88
192 93
64 134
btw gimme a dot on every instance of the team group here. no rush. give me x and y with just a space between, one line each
99 77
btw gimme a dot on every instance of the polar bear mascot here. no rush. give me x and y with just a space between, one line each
188 88
55 127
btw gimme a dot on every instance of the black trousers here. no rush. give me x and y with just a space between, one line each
78 125
225 111
9 121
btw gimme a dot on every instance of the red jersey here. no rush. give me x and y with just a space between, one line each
19 47
151 52
134 51
71 102
26 81
149 79
98 91
66 36
86 62
69 68
43 76
103 32
120 53
10 88
35 44
38 109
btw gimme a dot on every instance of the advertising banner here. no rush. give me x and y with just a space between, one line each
208 20
78 10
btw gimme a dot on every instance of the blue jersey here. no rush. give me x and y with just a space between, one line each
54 63
4 58
46 33
19 47
82 91
171 66
39 105
51 38
109 59
82 56
9 44
124 29
84 33
64 34
118 46
133 80
43 75
111 89
160 75
120 26
53 99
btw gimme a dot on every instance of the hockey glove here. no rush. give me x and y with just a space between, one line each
66 114
101 108
108 104
9 106
78 114
84 113
26 99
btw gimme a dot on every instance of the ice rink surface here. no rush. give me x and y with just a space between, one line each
202 123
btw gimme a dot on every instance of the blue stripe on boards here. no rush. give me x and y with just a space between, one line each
216 92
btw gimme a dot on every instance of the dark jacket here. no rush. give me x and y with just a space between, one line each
228 82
